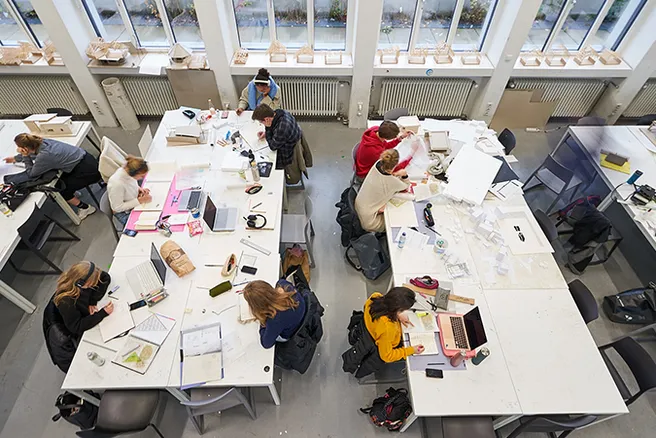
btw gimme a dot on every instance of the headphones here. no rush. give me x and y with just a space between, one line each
251 221
80 283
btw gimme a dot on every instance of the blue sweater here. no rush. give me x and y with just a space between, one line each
285 323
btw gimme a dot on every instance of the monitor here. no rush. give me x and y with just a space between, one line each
209 215
474 328
158 263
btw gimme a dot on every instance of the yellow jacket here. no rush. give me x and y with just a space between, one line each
387 335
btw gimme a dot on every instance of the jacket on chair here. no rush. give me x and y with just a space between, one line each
60 342
362 358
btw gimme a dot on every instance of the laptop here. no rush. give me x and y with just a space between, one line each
189 199
220 219
148 277
461 332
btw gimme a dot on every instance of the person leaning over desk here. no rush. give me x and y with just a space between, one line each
380 185
262 89
79 290
40 155
282 132
279 310
374 141
123 190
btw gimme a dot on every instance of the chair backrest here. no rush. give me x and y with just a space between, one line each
111 158
561 172
354 153
28 228
640 363
551 424
395 113
61 112
647 119
508 140
309 207
145 142
105 206
591 121
584 300
547 226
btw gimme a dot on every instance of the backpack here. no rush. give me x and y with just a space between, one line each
390 410
372 258
634 306
18 186
76 411
347 217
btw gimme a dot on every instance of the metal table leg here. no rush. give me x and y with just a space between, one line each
502 421
179 394
66 207
16 298
408 422
274 393
94 143
85 396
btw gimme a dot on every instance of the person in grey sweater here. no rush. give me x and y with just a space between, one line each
79 169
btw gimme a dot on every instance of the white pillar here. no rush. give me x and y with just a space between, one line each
212 19
506 38
639 51
368 15
63 20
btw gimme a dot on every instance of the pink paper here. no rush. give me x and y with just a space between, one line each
170 207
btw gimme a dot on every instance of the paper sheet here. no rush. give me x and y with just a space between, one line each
202 340
523 234
427 339
8 169
245 314
233 162
402 216
154 329
159 192
160 171
117 323
470 175
148 68
506 190
413 239
208 277
136 355
178 219
425 191
197 370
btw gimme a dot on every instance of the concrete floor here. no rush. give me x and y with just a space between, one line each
322 403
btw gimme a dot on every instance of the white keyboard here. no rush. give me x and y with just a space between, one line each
147 278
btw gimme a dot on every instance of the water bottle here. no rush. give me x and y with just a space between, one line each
402 238
95 358
255 171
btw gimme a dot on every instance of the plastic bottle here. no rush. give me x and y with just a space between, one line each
211 106
401 242
254 169
93 357
458 358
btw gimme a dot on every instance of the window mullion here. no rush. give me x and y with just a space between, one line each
164 16
310 22
597 23
455 20
272 21
96 21
15 13
416 23
350 23
123 11
564 12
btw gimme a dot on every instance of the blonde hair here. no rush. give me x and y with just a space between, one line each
67 283
389 159
135 165
30 142
265 301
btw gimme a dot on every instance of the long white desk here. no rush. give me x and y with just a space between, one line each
9 236
246 363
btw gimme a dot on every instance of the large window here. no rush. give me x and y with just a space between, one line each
19 22
330 24
407 24
184 22
11 32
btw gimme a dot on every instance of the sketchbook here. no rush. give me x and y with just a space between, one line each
201 355
117 323
159 191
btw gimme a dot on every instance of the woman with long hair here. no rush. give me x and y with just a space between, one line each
123 190
280 310
383 317
79 289
262 89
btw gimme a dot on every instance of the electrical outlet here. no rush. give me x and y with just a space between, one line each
488 109
96 106
360 105
226 106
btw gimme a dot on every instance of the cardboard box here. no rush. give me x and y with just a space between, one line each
409 123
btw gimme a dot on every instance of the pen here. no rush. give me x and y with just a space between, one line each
435 363
132 350
239 284
255 206
209 265
113 298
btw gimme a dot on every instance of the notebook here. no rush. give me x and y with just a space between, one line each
159 191
245 314
117 323
147 220
201 355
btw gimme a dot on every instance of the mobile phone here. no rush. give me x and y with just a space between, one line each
130 233
432 372
248 270
138 304
189 113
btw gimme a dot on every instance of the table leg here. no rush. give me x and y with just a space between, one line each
408 422
503 421
66 207
85 396
562 141
16 298
95 133
274 393
179 394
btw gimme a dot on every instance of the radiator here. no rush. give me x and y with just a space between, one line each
575 97
440 97
305 96
32 94
644 103
151 96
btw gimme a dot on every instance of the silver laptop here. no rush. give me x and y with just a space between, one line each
148 277
220 219
189 199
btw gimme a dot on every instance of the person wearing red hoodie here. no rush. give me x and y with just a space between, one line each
374 141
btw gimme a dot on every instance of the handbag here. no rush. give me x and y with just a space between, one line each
18 186
634 306
74 410
371 255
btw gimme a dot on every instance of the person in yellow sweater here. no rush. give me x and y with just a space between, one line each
383 316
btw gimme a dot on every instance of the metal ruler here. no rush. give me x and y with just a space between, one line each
255 247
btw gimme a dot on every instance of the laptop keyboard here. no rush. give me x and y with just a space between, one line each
194 200
148 278
459 333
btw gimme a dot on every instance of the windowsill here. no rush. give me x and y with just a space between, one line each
258 60
41 67
455 68
573 70
132 65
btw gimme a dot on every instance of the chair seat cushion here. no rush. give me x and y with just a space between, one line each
125 411
293 228
469 427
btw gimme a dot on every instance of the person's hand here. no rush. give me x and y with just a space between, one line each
261 135
400 173
407 134
10 160
381 210
109 308
405 321
145 198
92 310
419 349
239 111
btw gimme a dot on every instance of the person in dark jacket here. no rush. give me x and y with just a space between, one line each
282 132
79 290
280 310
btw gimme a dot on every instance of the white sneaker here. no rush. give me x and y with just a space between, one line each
82 213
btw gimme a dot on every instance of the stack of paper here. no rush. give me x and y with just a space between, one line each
403 215
233 162
162 171
147 220
427 339
470 175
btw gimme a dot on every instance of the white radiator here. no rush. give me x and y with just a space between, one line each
440 97
32 94
644 103
575 97
150 96
305 96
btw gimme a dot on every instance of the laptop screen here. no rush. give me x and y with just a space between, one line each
210 213
158 263
474 328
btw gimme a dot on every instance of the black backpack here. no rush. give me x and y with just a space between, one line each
371 255
76 411
390 410
347 217
634 306
18 186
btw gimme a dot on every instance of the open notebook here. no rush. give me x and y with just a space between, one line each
159 191
143 343
201 355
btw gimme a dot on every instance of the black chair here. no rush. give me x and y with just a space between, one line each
552 424
507 139
35 233
647 119
547 226
584 300
395 113
467 427
555 177
123 413
640 363
591 121
61 112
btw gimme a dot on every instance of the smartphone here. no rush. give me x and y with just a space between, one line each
248 270
432 372
138 304
130 233
189 113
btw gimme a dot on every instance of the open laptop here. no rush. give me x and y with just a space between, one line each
189 199
220 219
148 277
461 332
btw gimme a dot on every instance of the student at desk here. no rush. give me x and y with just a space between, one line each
380 185
262 89
79 290
374 141
123 190
282 132
279 310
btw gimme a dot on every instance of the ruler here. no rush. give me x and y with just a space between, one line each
431 292
255 247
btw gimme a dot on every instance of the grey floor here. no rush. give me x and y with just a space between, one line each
322 403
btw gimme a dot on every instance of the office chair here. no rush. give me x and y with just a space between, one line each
591 121
389 373
552 424
354 153
395 113
467 427
640 363
210 400
61 112
647 119
298 228
584 300
555 177
34 234
508 140
106 208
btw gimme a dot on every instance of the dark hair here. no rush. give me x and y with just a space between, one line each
388 130
396 300
262 112
263 75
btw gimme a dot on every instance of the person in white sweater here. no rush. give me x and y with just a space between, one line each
123 190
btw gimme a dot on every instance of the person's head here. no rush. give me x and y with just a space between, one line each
389 159
28 144
388 130
82 275
397 300
262 81
265 301
264 114
136 167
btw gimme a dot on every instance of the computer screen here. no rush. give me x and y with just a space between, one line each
158 263
474 328
210 213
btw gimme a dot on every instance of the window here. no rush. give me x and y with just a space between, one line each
184 22
252 23
146 22
330 24
543 25
107 20
616 23
396 24
11 33
291 22
435 22
474 22
32 20
578 23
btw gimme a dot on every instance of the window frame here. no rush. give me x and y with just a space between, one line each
12 9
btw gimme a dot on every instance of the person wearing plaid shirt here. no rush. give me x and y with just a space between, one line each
282 132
